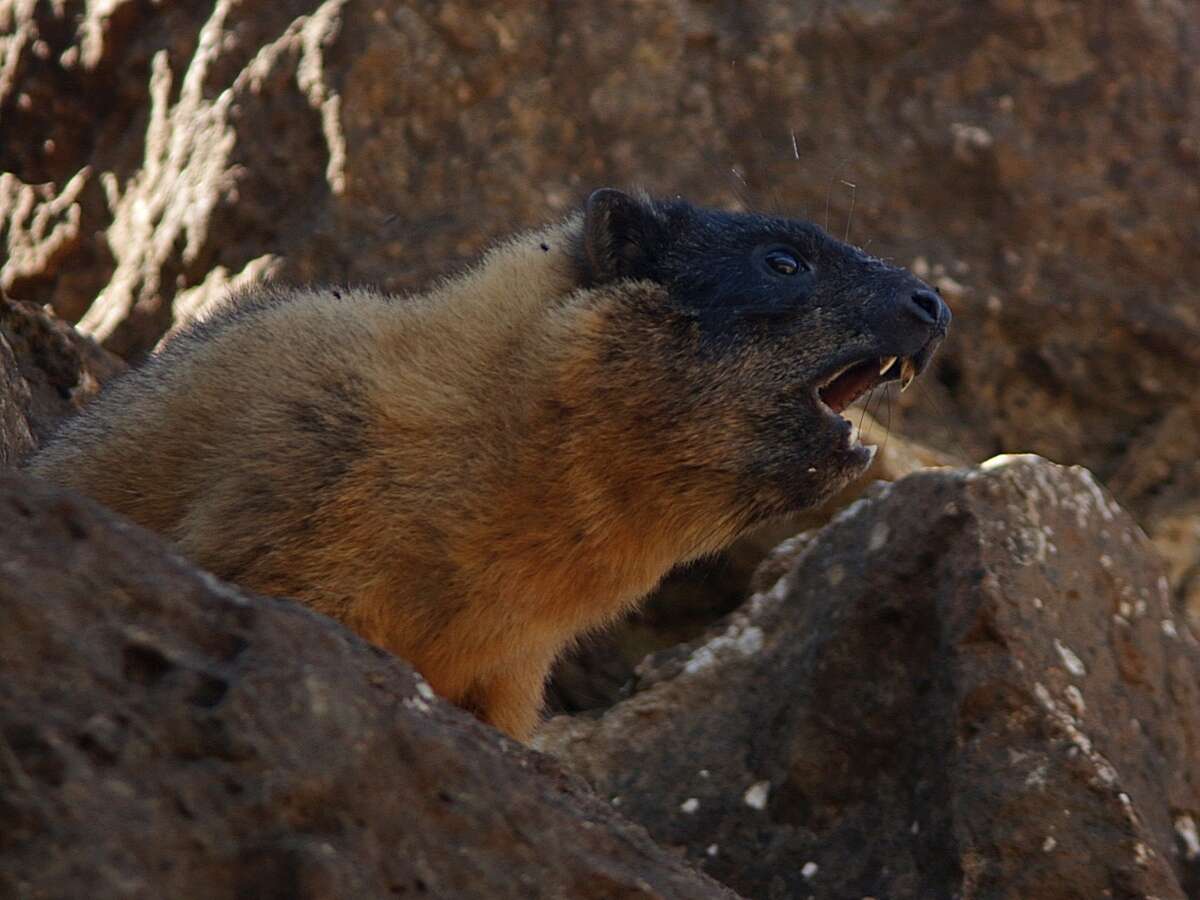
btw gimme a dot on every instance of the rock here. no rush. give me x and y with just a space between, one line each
16 437
1177 539
164 735
971 684
49 371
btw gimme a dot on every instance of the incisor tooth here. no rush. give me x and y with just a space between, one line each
908 372
886 363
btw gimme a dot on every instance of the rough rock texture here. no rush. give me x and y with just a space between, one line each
1039 161
162 735
971 684
47 370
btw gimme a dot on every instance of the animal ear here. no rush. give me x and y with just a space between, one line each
621 235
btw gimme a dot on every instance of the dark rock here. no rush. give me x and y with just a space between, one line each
49 371
163 735
1038 162
971 684
16 437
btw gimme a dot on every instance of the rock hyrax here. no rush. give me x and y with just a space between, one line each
475 476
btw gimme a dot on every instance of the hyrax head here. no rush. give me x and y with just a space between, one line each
771 328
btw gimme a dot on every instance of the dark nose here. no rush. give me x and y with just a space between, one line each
928 307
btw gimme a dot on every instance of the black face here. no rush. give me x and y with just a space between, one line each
823 321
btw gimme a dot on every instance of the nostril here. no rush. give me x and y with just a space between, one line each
926 305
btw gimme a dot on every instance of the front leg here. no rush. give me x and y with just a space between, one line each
510 698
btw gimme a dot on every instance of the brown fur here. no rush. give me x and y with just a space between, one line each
470 478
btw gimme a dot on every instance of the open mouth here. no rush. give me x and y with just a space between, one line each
849 383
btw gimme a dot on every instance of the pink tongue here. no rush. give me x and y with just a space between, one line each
849 386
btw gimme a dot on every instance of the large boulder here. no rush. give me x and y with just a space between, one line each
164 735
971 684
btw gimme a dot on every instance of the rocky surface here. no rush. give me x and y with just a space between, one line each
163 735
47 371
971 684
1039 162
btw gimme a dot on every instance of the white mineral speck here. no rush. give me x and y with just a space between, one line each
1000 461
1073 663
1075 698
1168 628
809 869
746 640
751 640
879 536
711 850
756 794
417 703
1185 827
1049 844
700 660
424 689
690 805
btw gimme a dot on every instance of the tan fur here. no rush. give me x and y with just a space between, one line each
504 495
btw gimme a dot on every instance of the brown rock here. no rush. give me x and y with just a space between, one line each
16 437
971 684
1038 162
163 735
49 371
1177 539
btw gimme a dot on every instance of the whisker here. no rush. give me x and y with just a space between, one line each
721 172
741 187
887 428
850 215
944 413
875 399
828 195
863 416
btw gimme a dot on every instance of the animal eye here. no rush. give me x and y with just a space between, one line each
783 262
